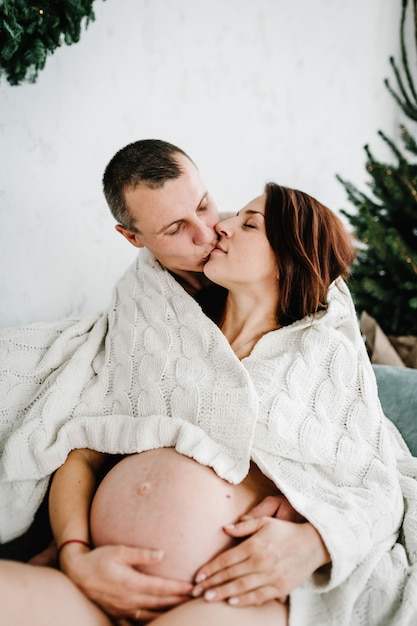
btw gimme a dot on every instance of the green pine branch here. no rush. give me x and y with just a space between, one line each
30 32
408 103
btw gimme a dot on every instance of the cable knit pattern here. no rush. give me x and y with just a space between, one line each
154 371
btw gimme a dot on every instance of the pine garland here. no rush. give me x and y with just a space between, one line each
384 275
30 31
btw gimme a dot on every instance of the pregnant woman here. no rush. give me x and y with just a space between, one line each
164 500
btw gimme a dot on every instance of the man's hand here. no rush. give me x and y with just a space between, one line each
277 557
109 576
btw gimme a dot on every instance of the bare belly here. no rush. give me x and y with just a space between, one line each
163 500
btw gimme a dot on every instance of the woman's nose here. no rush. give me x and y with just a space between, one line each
223 227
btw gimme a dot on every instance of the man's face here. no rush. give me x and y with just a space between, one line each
176 223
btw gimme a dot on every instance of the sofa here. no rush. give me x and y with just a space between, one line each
397 390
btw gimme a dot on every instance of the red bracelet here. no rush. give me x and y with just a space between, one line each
85 543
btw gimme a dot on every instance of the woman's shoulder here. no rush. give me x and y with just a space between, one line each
323 335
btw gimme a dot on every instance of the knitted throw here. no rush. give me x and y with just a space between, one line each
154 371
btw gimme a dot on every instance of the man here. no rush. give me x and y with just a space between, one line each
160 202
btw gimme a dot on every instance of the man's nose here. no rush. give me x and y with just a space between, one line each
204 234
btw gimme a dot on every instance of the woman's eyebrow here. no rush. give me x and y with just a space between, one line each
250 212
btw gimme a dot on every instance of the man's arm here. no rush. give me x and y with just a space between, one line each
107 575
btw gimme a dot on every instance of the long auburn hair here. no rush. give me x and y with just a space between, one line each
312 249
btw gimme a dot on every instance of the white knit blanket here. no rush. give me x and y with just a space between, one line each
154 371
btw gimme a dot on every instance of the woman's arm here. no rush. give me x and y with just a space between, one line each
108 575
72 491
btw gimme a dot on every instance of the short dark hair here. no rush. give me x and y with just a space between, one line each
312 249
150 162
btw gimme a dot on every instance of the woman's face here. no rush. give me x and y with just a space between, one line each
243 255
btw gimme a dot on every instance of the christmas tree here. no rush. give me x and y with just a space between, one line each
384 275
31 31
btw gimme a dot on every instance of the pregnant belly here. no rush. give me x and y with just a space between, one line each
163 500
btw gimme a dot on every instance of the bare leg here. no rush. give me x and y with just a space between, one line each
47 557
221 614
42 596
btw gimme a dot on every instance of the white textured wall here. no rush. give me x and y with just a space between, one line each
288 90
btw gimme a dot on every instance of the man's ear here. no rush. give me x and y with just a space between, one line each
132 237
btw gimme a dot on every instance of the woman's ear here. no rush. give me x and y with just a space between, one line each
133 238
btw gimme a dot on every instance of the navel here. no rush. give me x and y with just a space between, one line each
143 489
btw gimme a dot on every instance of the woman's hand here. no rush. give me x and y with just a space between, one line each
109 576
277 557
275 506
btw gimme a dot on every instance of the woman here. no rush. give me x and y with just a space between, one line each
318 433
